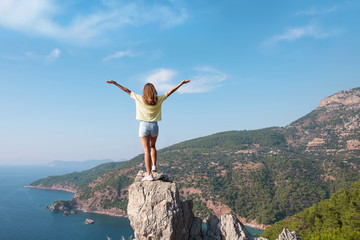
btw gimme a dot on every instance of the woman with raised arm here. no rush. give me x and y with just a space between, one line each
148 112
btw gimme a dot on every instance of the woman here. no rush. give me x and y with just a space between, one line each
148 112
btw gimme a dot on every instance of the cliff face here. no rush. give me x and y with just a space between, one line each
287 235
348 98
333 126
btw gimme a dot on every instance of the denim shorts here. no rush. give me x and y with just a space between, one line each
147 129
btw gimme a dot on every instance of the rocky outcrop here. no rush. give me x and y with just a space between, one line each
155 212
228 227
212 229
287 235
353 144
89 221
63 206
348 97
232 229
195 230
330 126
316 142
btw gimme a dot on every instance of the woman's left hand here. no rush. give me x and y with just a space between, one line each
185 81
111 82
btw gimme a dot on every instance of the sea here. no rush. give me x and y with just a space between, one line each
23 213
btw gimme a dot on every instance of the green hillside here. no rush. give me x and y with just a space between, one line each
78 179
263 175
337 218
270 182
255 173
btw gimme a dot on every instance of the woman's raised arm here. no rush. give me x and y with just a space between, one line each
177 87
119 86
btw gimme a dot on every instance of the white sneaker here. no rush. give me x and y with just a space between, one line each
153 168
148 177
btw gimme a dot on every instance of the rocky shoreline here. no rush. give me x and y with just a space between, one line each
250 224
82 209
52 188
104 213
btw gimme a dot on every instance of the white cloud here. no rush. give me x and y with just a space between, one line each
163 79
50 58
54 54
315 11
295 33
26 56
18 14
38 17
120 54
318 11
205 79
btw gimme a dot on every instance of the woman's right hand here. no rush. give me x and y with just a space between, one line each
184 81
111 82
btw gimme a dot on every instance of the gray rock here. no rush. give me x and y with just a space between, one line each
213 228
195 230
157 176
227 228
187 207
232 229
62 206
155 211
287 235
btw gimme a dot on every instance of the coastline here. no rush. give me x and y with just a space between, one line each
104 213
59 188
24 216
52 188
256 226
252 224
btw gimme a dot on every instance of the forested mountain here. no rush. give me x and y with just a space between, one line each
263 175
77 165
334 218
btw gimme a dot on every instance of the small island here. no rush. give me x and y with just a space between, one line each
89 221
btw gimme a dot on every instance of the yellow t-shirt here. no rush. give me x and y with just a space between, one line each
145 112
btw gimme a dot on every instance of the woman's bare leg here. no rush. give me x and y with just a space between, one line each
153 150
145 141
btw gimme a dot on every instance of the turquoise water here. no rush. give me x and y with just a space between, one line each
23 216
254 231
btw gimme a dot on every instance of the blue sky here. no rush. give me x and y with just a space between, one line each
252 64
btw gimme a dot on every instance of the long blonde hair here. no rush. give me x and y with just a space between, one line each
150 94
